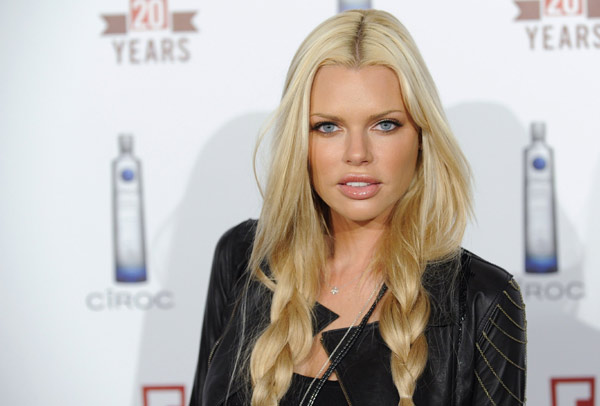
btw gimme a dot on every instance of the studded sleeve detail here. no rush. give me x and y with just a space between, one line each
500 352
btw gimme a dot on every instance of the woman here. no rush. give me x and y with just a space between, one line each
352 288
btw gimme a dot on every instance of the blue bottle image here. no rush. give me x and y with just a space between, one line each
540 212
128 214
344 5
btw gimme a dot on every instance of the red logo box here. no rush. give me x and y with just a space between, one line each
562 382
164 395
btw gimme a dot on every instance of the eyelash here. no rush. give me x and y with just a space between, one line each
395 122
321 123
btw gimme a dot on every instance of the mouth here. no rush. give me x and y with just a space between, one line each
357 184
359 187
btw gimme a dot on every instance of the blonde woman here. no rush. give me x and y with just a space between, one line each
352 288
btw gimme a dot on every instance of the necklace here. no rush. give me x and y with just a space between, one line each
334 290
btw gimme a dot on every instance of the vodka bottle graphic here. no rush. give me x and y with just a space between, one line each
540 215
344 5
128 214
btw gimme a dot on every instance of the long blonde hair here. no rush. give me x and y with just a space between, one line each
293 236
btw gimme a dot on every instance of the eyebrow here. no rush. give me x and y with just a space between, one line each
371 117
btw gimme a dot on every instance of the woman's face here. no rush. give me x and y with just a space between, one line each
363 145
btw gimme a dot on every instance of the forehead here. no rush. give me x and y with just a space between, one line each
337 87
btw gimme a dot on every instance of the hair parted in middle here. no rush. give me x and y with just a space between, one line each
293 232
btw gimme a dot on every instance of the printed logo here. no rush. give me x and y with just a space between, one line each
114 300
555 25
136 41
573 391
163 395
552 291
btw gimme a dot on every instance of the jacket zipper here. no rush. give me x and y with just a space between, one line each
339 380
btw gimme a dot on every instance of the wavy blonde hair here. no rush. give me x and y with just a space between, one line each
293 236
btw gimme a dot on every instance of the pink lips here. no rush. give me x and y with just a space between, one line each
359 187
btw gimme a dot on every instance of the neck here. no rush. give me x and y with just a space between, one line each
354 244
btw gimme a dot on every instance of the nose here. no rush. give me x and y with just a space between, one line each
358 149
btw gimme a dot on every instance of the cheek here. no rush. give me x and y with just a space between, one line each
403 163
311 160
410 160
319 161
314 167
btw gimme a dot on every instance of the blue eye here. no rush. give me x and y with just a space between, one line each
387 125
326 127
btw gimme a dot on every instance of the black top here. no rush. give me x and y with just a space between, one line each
331 393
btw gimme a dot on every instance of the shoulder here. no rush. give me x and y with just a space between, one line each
463 282
484 279
239 235
490 293
236 243
232 253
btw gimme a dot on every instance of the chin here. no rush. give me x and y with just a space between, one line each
364 216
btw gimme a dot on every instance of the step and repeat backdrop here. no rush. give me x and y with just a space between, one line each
126 136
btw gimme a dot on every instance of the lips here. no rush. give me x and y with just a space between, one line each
359 187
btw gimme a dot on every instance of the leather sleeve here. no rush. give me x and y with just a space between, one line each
500 351
229 264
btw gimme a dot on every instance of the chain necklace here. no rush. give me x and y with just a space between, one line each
334 289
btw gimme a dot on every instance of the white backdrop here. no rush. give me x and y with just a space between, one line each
194 94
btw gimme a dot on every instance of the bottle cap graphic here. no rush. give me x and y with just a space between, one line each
538 131
354 4
126 143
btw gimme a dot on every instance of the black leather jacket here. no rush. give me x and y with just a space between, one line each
476 335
